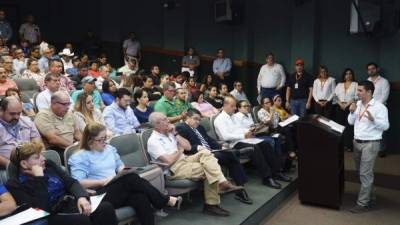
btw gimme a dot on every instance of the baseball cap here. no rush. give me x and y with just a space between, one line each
88 79
299 62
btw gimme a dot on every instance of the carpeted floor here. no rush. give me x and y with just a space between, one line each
387 211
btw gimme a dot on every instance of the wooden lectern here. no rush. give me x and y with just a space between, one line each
321 162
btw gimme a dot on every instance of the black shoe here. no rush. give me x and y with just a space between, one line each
382 154
282 177
243 197
271 183
215 210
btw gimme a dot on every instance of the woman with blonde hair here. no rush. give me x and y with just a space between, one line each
85 112
42 184
97 164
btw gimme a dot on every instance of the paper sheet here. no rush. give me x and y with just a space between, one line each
96 200
289 120
333 125
24 217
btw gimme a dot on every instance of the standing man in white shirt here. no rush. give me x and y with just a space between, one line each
132 47
271 78
370 119
381 93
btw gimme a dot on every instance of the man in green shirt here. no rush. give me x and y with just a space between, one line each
166 103
181 103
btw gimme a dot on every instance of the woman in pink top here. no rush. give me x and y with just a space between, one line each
4 82
206 109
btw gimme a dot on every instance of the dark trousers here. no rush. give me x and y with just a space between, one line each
230 161
263 158
104 215
325 111
132 190
268 92
348 133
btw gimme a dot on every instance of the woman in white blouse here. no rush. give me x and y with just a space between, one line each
323 92
346 93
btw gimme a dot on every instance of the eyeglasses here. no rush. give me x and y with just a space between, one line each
101 140
246 106
171 90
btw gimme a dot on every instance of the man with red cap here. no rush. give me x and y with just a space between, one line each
299 90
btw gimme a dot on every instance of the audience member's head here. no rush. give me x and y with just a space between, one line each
52 82
34 52
277 101
10 110
147 82
169 90
238 86
28 155
132 63
190 51
76 62
270 59
60 102
212 92
141 97
372 69
82 70
94 65
85 59
220 53
266 103
155 70
108 86
348 75
102 59
84 104
8 64
88 84
243 106
123 98
3 75
33 65
181 94
193 117
14 92
104 72
19 53
94 137
55 66
323 71
198 97
229 105
160 122
163 79
299 66
365 90
66 54
208 80
69 46
223 89
47 53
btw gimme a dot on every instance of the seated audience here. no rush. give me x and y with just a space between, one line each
207 82
34 52
5 82
119 116
19 62
323 92
142 110
155 74
181 103
97 163
264 159
84 59
130 68
73 71
85 112
205 108
58 127
283 114
180 80
7 202
89 88
14 128
195 133
152 92
238 92
166 104
66 56
43 99
42 184
27 107
166 146
56 67
8 66
192 86
213 97
223 90
163 79
44 60
104 72
108 94
33 72
94 69
82 73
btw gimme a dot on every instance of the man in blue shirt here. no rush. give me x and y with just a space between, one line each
89 88
7 202
222 66
119 116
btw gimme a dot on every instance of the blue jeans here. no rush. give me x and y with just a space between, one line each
298 106
269 92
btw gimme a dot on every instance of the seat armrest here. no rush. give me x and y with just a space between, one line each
159 163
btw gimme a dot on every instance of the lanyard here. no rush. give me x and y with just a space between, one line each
298 76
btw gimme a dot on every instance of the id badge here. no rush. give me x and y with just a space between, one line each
296 85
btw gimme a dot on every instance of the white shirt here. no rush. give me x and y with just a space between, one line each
244 121
382 89
160 144
349 95
67 65
239 95
227 129
43 100
271 76
364 129
324 90
19 66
